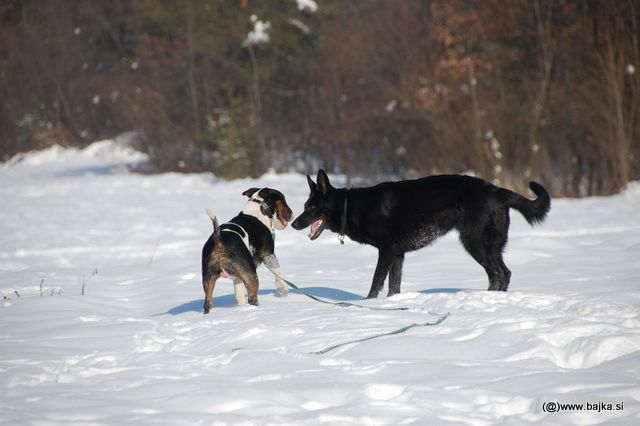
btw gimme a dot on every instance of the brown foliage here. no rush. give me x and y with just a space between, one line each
509 89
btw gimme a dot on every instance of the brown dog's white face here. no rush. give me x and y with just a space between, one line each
272 204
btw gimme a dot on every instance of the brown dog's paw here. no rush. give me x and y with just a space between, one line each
282 290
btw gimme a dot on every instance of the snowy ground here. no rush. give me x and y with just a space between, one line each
135 348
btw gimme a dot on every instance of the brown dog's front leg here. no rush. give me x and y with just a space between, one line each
238 290
271 262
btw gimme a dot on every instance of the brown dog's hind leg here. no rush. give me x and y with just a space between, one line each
208 283
243 271
250 279
238 290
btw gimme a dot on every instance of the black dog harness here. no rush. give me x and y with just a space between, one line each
239 231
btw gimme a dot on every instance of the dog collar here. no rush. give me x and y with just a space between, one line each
264 214
264 207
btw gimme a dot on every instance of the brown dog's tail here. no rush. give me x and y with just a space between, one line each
534 211
216 228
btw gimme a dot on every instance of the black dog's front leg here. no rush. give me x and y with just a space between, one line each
385 259
395 275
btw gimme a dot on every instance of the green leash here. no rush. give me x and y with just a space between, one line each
346 305
391 333
375 336
343 304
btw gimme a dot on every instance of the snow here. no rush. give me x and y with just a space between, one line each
136 349
307 6
258 35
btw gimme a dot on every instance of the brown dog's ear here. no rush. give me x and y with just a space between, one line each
249 192
323 181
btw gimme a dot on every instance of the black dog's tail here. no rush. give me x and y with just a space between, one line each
534 211
216 227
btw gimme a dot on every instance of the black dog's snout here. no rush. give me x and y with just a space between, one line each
298 223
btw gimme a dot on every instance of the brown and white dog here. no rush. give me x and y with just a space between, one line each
236 248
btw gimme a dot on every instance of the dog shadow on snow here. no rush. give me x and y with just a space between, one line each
336 295
229 300
450 290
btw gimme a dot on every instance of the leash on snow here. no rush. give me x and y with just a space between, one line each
401 330
343 304
375 336
364 339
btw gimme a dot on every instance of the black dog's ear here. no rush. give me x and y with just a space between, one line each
312 184
323 181
249 192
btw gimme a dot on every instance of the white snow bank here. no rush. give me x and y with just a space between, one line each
106 156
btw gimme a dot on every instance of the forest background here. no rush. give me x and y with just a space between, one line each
509 90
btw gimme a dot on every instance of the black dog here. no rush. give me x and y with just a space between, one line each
237 247
397 217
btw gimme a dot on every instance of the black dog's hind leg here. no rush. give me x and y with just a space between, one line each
385 259
498 273
484 239
395 275
505 275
